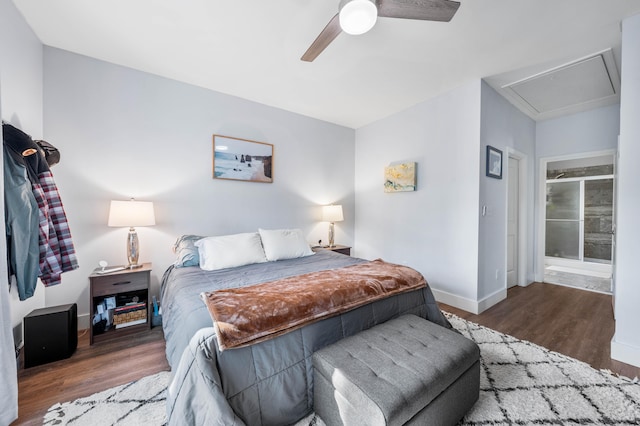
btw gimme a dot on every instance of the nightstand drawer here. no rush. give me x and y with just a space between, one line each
346 250
342 250
113 284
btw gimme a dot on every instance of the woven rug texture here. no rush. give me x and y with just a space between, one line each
520 384
142 402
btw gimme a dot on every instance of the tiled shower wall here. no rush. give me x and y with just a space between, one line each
598 209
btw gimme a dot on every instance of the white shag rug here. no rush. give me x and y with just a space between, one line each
142 402
520 384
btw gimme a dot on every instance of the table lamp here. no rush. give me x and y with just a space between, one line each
332 214
131 214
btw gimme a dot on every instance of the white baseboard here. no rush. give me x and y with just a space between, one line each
625 353
83 321
455 301
469 305
492 299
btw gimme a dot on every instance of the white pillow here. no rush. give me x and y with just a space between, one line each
282 244
229 251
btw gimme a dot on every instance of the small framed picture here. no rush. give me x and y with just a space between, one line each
400 177
494 162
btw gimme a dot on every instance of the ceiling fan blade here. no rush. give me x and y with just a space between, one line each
325 38
426 10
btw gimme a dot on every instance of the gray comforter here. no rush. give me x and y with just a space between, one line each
269 383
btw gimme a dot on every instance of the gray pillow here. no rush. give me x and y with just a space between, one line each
186 252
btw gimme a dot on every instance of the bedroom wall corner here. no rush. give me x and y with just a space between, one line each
21 76
435 228
506 128
125 133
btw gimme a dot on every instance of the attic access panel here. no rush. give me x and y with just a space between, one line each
578 83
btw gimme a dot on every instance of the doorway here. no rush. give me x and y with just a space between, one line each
578 222
513 205
516 212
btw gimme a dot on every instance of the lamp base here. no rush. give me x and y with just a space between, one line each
331 235
132 248
134 266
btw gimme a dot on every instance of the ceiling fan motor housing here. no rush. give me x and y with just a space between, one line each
357 16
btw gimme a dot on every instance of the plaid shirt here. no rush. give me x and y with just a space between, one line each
57 254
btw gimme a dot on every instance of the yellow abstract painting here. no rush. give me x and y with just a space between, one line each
400 177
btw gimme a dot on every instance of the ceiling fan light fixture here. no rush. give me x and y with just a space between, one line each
358 16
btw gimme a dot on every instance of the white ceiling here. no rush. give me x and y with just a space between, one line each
252 48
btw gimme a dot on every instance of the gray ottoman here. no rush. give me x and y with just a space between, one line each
407 371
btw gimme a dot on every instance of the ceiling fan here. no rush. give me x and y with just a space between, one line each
359 16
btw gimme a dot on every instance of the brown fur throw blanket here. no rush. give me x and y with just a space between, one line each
247 315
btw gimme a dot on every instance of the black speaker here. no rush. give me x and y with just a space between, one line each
50 334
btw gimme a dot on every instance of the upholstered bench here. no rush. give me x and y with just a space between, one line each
405 371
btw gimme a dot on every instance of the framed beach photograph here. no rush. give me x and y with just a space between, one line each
494 162
242 159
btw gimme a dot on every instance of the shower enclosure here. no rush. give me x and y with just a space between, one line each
579 222
579 219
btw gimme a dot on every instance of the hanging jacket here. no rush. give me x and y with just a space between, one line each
21 217
51 153
57 254
56 251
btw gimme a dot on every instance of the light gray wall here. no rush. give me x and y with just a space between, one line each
589 131
626 342
434 229
124 133
21 98
503 127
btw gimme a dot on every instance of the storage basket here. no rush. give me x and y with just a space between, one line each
125 317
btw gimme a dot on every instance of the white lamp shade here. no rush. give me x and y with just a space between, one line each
131 213
332 213
358 16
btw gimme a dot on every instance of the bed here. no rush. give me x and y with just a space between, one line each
266 383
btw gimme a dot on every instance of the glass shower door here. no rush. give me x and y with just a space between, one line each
598 220
563 224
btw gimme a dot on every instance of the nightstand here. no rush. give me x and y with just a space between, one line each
123 296
337 248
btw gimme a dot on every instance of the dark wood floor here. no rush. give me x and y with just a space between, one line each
90 369
574 322
577 323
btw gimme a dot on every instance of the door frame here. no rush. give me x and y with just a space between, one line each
522 217
542 202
